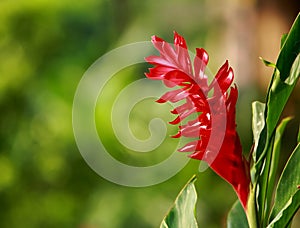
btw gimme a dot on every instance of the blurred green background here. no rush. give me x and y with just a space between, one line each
45 48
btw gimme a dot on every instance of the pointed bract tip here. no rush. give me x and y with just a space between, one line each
174 111
176 121
202 55
156 39
179 40
178 135
160 100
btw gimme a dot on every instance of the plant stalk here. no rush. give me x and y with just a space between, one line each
251 209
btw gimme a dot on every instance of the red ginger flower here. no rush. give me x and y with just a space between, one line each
214 127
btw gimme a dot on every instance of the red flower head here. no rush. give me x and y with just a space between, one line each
214 128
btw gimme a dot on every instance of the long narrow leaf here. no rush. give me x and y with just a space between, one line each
182 214
262 186
283 39
287 198
298 138
237 217
258 124
285 215
284 79
272 173
268 173
282 86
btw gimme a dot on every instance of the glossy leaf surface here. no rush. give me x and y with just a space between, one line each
237 217
182 214
287 198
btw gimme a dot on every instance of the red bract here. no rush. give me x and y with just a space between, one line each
214 128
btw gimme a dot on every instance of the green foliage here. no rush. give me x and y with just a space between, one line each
298 138
182 214
258 124
275 160
236 217
267 146
287 198
286 70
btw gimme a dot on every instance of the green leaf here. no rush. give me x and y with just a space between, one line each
182 214
274 162
298 138
262 186
284 79
237 217
287 197
295 72
286 214
279 90
258 123
283 39
268 172
268 63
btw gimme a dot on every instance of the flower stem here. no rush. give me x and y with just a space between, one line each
251 209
